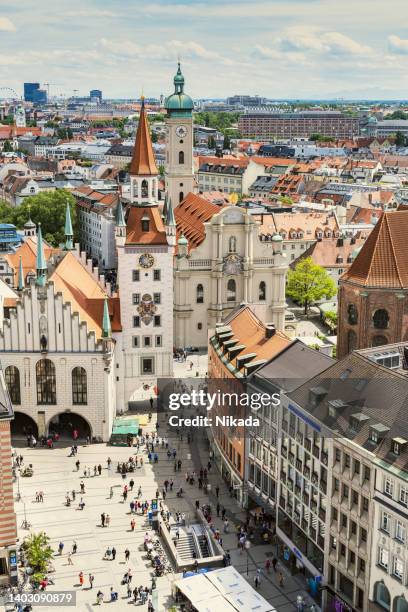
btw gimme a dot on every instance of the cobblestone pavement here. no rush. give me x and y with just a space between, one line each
55 474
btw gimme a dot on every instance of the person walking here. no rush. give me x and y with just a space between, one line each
131 484
107 520
281 580
132 507
274 563
74 547
127 555
218 508
81 579
99 598
91 579
70 562
113 553
77 463
257 581
268 566
111 493
132 524
103 518
99 469
60 547
217 491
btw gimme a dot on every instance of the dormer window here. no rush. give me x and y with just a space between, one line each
374 436
145 223
398 445
319 235
378 433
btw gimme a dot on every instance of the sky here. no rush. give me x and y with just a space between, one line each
274 48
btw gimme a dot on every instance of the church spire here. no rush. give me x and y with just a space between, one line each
106 325
41 265
170 220
69 234
20 280
143 161
119 216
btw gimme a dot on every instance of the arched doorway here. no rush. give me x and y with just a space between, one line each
400 604
382 596
65 423
23 425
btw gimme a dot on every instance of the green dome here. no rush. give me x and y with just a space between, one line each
182 241
179 101
277 238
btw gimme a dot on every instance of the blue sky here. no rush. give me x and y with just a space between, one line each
276 48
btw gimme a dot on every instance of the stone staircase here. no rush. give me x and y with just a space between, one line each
185 546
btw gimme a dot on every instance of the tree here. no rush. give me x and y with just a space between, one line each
400 139
38 554
308 283
227 143
46 208
7 147
211 142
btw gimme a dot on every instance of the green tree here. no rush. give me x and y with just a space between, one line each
48 209
211 142
227 142
162 169
400 139
308 283
154 137
38 554
7 147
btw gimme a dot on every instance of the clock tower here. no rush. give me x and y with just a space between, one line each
179 142
145 248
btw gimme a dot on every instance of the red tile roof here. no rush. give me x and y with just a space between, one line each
134 232
191 214
383 260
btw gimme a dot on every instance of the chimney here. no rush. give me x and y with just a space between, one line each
370 198
270 330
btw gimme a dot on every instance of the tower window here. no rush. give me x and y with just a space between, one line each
231 290
145 225
181 157
262 291
181 196
145 189
232 246
200 294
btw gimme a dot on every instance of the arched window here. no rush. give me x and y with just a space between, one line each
382 596
231 290
352 314
262 291
145 189
200 294
379 341
181 157
181 196
12 378
400 604
351 341
46 382
79 386
232 244
381 319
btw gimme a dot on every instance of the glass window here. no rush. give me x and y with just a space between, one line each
262 291
156 275
12 378
147 366
136 321
380 319
400 531
157 321
231 290
232 244
386 522
158 341
398 568
403 496
46 382
79 386
383 557
147 341
136 298
136 275
135 341
200 294
388 486
382 595
157 298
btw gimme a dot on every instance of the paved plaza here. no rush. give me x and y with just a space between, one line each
55 474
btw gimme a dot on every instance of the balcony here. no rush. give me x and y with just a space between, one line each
315 477
306 471
299 465
298 490
325 458
283 477
291 459
308 444
292 431
323 486
316 451
299 437
284 451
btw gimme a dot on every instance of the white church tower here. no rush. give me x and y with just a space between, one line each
179 142
145 246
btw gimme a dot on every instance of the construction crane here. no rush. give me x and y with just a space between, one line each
47 85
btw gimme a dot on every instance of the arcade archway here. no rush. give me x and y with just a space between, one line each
66 423
23 425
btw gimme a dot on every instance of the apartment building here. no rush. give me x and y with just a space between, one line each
303 124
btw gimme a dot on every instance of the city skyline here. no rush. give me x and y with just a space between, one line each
263 48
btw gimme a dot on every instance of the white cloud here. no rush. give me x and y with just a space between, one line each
311 39
89 13
398 45
169 50
7 25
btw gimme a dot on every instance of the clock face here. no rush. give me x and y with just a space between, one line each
181 131
146 260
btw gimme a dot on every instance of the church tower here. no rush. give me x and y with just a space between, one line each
145 248
179 142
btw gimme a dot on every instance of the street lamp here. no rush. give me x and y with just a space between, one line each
247 547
